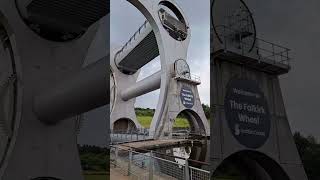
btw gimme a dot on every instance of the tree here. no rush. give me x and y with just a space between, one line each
309 151
206 110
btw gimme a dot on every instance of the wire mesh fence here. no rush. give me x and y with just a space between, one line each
121 136
198 174
153 166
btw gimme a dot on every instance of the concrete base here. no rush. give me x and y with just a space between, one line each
122 115
174 106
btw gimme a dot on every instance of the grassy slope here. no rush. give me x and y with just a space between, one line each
95 175
145 121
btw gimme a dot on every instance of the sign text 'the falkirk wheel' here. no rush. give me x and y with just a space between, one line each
187 97
247 112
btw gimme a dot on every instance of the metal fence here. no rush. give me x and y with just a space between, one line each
152 166
143 134
133 37
121 136
189 77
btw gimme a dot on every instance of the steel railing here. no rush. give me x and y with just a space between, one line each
122 136
265 50
152 165
133 37
143 134
188 76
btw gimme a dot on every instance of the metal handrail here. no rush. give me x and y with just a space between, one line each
188 172
133 37
144 131
274 52
119 136
195 77
162 154
190 76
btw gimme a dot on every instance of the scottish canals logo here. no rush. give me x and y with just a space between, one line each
247 113
187 97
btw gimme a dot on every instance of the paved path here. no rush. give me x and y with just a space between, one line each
137 173
115 173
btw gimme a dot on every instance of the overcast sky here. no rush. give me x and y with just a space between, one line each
296 25
125 20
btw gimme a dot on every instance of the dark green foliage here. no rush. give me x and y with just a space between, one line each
206 110
150 112
144 112
309 150
93 158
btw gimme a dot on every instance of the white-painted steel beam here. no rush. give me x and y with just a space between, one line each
82 92
142 87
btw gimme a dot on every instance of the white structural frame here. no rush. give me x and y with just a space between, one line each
170 50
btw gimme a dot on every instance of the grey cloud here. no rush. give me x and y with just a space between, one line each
296 25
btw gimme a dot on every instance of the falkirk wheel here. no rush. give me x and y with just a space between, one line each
251 132
44 84
166 33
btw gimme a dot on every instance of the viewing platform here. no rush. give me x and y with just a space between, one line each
262 55
191 78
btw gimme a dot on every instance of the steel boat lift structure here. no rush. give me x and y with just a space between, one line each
165 33
46 80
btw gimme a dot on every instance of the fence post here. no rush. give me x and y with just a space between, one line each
130 162
186 171
137 136
273 53
151 166
116 154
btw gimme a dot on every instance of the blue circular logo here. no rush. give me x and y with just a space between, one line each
187 97
247 113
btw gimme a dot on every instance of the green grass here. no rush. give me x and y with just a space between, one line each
145 121
95 176
181 122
